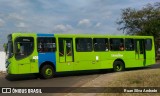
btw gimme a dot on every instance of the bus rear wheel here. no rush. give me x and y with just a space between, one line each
118 66
47 72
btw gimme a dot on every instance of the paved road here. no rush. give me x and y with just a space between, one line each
60 81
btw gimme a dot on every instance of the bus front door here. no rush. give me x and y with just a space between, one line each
65 50
140 52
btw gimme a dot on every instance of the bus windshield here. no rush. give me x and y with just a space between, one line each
9 49
23 47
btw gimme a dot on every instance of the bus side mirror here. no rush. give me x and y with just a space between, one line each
5 47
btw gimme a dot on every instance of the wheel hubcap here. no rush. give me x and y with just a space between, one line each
48 72
118 67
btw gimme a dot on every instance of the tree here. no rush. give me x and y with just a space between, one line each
145 21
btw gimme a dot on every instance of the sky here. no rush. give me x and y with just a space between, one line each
63 16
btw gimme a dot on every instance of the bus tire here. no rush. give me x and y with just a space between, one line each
47 72
118 66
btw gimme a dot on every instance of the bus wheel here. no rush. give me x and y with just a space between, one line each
47 72
118 66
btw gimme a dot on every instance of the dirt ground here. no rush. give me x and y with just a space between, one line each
2 74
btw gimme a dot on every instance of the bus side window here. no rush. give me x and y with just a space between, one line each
46 44
40 46
148 44
83 44
121 47
117 44
100 44
129 44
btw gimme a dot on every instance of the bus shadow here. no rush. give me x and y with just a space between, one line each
20 77
155 66
83 73
136 68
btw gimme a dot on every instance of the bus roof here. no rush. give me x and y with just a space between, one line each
81 35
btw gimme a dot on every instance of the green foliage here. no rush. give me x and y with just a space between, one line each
145 21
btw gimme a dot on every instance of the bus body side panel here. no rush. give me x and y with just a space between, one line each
46 56
103 60
86 61
34 63
127 57
131 61
150 55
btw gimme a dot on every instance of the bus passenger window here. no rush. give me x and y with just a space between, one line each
148 44
116 44
40 46
46 44
121 47
83 44
100 44
129 44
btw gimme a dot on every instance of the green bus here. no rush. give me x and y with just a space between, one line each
48 54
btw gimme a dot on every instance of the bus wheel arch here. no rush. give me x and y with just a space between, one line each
47 70
118 65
